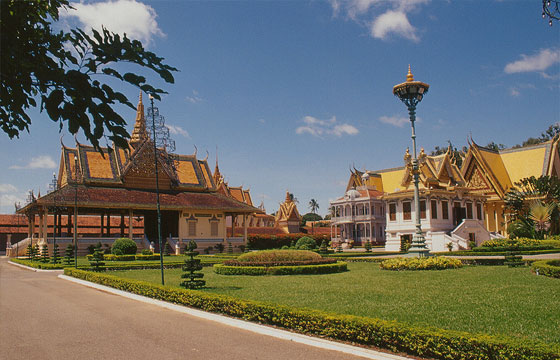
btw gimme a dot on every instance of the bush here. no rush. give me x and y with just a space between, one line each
268 256
264 242
280 263
514 245
336 267
306 243
424 263
426 342
549 268
147 252
125 245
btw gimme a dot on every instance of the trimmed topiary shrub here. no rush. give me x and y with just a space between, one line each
323 249
267 256
191 268
337 267
55 255
69 255
45 254
97 259
124 246
424 263
511 259
147 252
306 243
367 246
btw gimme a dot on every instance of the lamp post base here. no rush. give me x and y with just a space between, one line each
418 247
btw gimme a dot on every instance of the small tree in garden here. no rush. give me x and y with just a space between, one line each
220 247
248 247
166 249
69 255
323 248
229 248
36 252
30 252
55 255
45 254
339 247
97 259
367 246
191 268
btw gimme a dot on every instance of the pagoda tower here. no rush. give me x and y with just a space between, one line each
288 218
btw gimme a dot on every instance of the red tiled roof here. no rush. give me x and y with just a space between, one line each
120 198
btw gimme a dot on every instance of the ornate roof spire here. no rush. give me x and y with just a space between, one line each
139 133
218 178
409 76
288 197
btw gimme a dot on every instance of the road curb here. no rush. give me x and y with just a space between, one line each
246 325
32 268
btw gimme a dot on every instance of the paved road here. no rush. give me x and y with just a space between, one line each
44 317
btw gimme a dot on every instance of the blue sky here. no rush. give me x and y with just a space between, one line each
294 93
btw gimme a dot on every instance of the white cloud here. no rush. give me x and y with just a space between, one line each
384 18
398 121
39 162
7 188
514 92
393 22
262 121
318 127
134 18
194 99
540 61
177 130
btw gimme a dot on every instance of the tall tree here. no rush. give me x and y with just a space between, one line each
39 70
313 206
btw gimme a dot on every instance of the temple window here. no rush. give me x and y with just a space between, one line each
392 212
444 210
422 209
434 209
192 228
406 210
214 223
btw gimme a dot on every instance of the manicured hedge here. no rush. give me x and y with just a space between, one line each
425 342
495 253
223 269
263 242
424 263
39 265
279 263
549 268
111 257
362 254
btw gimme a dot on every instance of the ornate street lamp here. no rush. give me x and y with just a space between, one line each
411 93
551 10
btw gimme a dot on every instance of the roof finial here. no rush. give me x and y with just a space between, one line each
139 133
409 76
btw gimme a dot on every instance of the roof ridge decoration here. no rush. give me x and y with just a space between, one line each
486 172
139 133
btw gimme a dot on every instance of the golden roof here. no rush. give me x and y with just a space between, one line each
139 133
288 210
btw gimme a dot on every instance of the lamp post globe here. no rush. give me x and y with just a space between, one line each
411 92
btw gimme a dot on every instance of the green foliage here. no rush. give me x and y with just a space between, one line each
514 245
37 62
147 252
30 253
423 341
545 188
457 156
521 228
97 258
550 268
166 249
552 131
339 247
45 254
124 245
336 267
423 263
323 249
56 255
219 247
511 259
314 206
192 276
306 243
367 246
311 217
270 256
229 248
406 242
69 255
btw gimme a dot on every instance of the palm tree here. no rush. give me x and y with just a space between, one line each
540 214
314 206
293 198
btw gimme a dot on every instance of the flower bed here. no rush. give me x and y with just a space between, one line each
550 268
425 263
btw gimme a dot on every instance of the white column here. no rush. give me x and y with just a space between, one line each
245 228
225 227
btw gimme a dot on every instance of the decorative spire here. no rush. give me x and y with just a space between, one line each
409 76
139 133
288 197
218 178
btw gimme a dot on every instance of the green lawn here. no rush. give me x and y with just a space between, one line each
477 299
